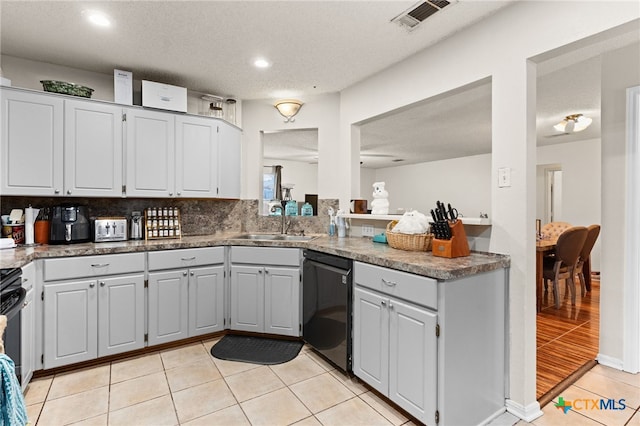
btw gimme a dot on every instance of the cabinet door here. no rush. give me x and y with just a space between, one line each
413 349
196 157
32 132
92 149
229 161
168 306
206 300
150 160
70 323
28 338
247 298
120 314
371 339
282 301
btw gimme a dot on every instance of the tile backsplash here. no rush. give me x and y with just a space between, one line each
199 216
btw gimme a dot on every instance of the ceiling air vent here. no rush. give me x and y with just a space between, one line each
417 13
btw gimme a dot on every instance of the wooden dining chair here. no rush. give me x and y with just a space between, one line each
563 265
593 231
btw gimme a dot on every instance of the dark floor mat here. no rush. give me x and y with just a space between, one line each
257 350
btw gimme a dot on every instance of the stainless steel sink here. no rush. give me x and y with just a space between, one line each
273 237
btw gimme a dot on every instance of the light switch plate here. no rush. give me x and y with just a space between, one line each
504 177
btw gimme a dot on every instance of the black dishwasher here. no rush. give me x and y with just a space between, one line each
326 306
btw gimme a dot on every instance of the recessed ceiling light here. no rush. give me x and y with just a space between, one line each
262 63
97 18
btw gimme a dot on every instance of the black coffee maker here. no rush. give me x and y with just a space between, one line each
70 224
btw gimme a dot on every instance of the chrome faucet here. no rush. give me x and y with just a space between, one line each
283 226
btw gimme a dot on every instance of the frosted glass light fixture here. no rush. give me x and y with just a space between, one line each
288 108
573 123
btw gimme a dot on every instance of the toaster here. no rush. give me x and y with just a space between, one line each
110 229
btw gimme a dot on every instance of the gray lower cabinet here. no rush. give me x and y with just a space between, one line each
89 311
28 325
265 298
395 350
187 301
432 346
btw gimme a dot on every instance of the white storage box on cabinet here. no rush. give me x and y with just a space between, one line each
164 96
90 313
265 290
186 293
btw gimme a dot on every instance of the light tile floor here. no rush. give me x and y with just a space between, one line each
187 386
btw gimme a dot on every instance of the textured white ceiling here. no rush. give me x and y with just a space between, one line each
209 46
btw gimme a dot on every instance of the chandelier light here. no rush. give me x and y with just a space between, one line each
288 108
573 123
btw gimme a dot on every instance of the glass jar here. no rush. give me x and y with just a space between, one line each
211 106
230 113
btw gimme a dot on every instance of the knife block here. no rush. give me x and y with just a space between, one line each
457 246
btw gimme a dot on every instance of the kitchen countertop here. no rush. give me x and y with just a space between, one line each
356 248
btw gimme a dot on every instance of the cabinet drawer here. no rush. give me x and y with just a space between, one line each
266 255
415 288
91 266
172 259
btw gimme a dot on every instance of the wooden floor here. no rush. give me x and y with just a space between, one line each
567 338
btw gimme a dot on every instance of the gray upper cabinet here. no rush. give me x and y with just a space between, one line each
229 150
150 153
196 157
92 149
32 141
60 145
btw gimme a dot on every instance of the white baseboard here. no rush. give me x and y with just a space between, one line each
610 361
528 413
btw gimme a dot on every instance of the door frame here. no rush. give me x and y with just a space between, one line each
631 332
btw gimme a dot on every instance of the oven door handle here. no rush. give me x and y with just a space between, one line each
17 306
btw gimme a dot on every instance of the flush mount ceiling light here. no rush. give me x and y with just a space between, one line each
288 108
261 63
97 18
573 123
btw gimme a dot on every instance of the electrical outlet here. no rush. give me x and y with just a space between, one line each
367 231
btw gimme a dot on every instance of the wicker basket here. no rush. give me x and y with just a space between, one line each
412 242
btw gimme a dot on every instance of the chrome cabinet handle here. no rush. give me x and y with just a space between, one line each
383 303
390 305
68 192
92 285
99 265
171 194
192 273
178 193
184 259
102 284
259 271
388 283
57 191
184 273
266 271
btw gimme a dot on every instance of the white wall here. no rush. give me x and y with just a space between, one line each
581 177
318 112
26 74
464 182
498 47
621 69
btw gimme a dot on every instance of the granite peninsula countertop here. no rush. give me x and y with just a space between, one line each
356 248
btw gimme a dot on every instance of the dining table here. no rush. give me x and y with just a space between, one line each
544 246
